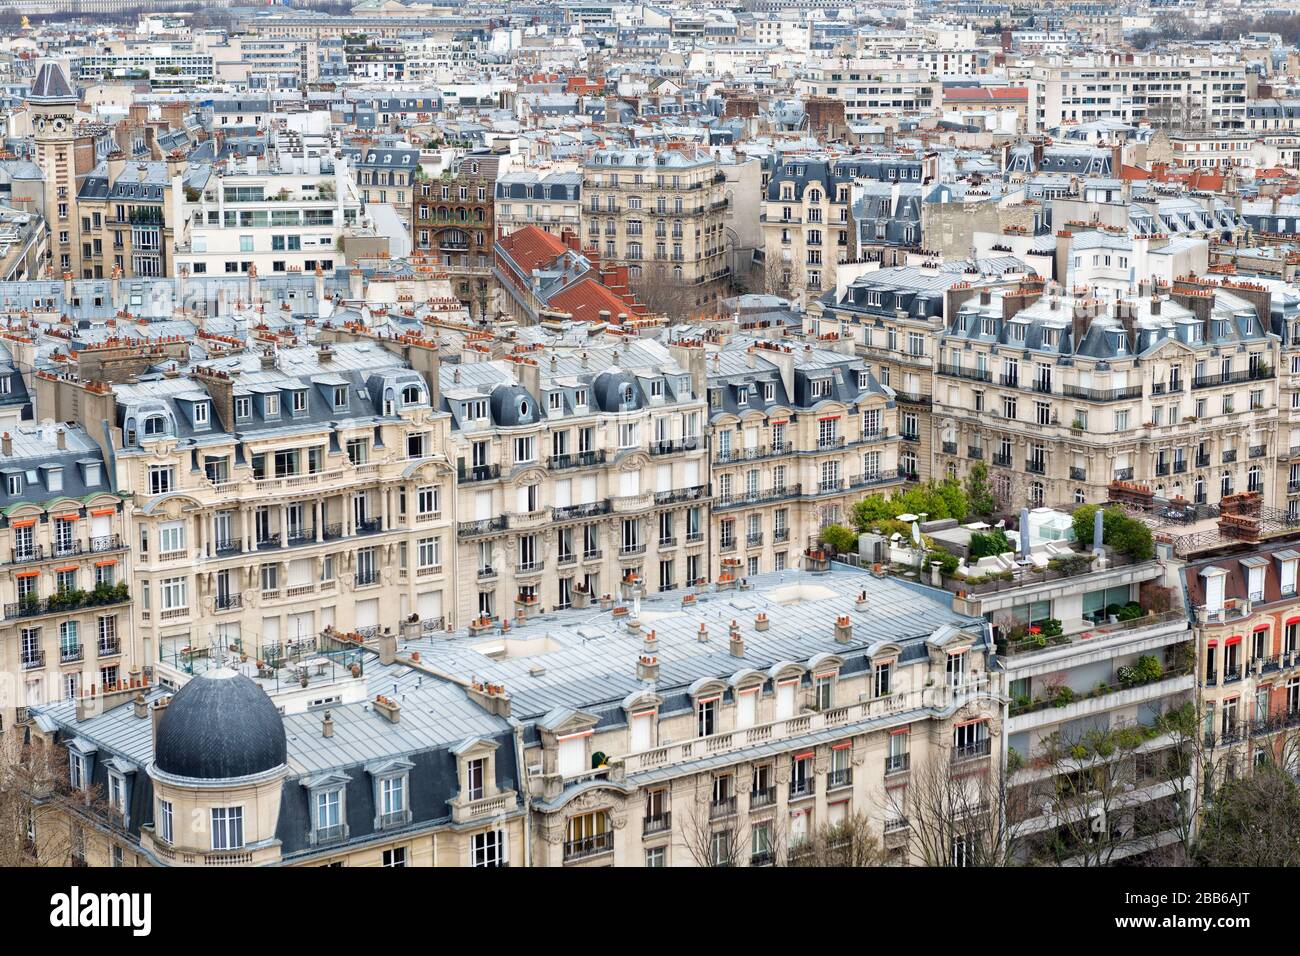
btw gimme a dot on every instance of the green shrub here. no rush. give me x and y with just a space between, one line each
948 562
839 539
989 544
1051 627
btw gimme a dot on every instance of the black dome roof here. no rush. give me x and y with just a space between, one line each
220 725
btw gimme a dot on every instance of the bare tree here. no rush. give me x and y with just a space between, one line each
957 816
39 811
1093 796
674 299
850 843
711 829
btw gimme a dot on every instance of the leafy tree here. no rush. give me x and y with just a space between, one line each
937 500
1119 531
839 539
978 493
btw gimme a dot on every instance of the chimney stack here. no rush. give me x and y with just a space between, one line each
703 635
327 725
843 629
141 705
61 440
387 646
159 706
737 641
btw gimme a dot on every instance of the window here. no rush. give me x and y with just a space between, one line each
162 479
657 857
395 857
78 771
474 777
706 717
329 814
173 594
488 849
392 800
164 821
227 828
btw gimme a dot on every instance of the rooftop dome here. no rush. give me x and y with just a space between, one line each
218 726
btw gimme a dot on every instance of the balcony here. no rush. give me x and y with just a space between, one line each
766 797
757 497
102 596
726 807
949 448
1232 378
1123 474
1102 394
631 550
478 473
974 453
938 697
472 529
110 647
674 447
69 655
1001 461
897 763
364 578
973 374
628 504
973 751
803 787
753 540
681 495
839 778
1078 474
661 823
1035 467
571 512
33 659
583 459
587 847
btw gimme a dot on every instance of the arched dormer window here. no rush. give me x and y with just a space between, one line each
154 426
411 395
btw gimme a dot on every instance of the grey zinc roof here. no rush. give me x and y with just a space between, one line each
593 665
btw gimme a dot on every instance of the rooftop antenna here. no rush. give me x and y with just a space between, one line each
218 652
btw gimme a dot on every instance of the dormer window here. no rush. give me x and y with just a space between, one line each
272 406
656 389
411 395
243 407
155 425
555 401
200 414
340 397
820 387
742 395
15 485
54 479
299 402
627 394
580 398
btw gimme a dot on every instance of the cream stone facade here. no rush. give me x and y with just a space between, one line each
662 213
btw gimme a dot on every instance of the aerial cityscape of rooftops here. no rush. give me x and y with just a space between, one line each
692 434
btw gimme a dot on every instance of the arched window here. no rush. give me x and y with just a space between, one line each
411 395
1079 497
1036 495
155 425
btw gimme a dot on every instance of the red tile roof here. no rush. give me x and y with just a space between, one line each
585 300
532 248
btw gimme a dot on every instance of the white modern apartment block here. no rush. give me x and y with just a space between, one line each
260 217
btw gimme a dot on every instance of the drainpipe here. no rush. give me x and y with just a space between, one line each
525 796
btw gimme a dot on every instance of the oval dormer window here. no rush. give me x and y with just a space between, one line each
627 394
523 409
